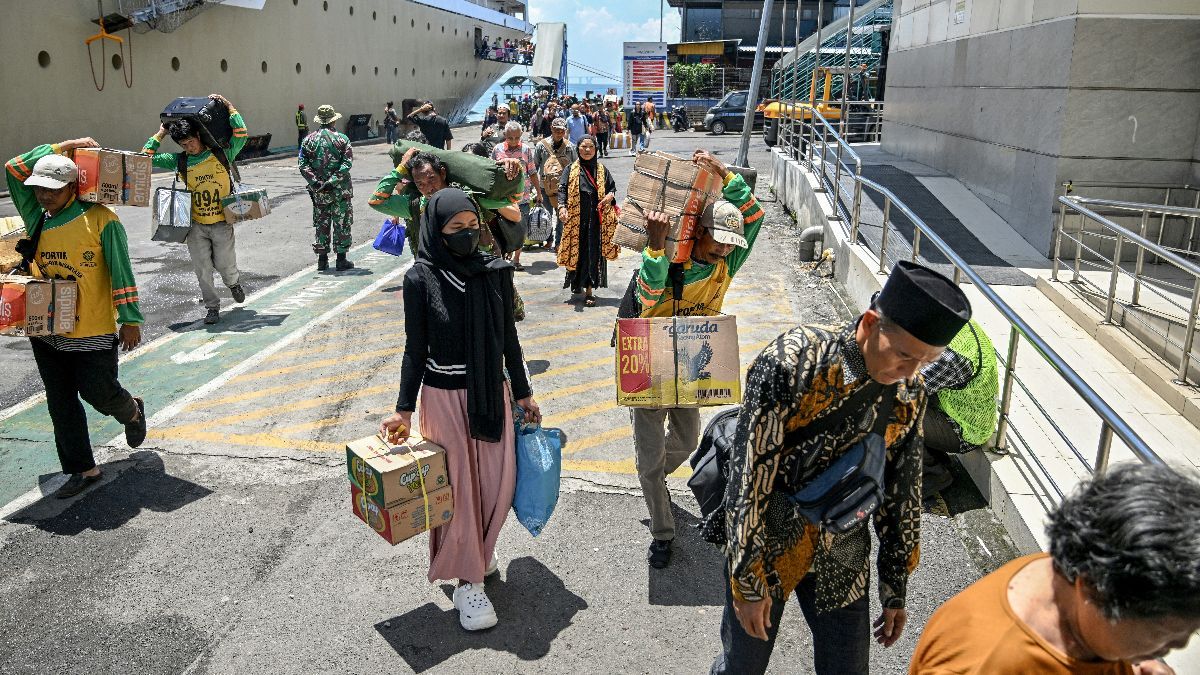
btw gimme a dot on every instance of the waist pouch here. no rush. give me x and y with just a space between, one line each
850 490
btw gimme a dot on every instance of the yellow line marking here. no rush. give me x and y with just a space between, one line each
575 389
313 365
625 466
269 391
574 446
376 315
379 337
286 407
574 349
600 407
253 440
316 424
584 365
556 337
378 303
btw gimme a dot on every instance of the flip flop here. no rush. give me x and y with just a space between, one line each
589 301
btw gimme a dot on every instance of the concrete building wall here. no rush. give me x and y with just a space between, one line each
1014 97
419 51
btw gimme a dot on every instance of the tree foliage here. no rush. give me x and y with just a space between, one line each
693 78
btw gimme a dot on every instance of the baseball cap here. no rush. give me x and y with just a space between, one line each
559 123
53 171
725 221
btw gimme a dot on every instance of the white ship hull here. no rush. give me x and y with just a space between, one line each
265 61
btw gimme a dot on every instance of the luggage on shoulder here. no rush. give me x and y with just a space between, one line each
481 174
210 116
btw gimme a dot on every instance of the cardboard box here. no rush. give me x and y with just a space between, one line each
679 362
31 307
113 176
673 185
245 204
405 520
387 474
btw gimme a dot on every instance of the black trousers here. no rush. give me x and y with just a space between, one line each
69 376
841 637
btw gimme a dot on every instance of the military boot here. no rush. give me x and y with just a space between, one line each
342 263
322 262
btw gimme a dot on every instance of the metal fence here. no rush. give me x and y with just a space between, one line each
1089 252
830 156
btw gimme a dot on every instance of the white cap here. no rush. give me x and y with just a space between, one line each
724 220
53 171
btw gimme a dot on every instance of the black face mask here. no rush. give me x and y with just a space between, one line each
462 243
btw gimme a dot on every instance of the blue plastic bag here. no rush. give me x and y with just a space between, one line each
539 468
391 237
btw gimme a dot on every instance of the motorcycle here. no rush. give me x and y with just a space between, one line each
679 119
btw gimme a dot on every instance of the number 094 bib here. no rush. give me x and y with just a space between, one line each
208 182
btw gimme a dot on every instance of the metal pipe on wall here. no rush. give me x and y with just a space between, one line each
755 81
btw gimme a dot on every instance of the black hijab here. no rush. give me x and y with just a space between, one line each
589 165
488 279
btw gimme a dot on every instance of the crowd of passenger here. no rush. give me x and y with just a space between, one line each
507 50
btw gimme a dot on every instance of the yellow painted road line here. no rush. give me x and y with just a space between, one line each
271 391
577 413
376 315
574 446
290 406
313 365
555 337
395 302
625 466
584 365
552 394
377 338
253 440
567 351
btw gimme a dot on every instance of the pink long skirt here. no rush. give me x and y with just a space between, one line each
483 477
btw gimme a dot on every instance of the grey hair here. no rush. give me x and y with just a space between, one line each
513 126
1133 537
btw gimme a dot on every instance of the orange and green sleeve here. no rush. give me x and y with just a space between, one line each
386 200
738 193
17 170
124 287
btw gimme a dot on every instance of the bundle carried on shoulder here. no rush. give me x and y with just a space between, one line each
673 185
481 174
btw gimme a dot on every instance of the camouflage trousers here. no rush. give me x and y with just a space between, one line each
333 221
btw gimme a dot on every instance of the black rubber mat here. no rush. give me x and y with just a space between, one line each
992 268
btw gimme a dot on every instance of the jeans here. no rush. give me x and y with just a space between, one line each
211 248
657 456
641 142
69 376
841 637
391 134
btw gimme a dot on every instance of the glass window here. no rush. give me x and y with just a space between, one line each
703 24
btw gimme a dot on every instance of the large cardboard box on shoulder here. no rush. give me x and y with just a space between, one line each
113 176
673 185
386 486
678 362
30 307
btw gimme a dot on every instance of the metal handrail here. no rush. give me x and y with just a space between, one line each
1145 245
1111 422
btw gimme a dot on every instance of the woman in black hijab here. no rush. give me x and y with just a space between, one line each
460 339
586 198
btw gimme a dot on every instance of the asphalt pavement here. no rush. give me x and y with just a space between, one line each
227 543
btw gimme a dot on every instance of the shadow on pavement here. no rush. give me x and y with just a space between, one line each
142 484
236 320
693 579
533 604
539 267
537 366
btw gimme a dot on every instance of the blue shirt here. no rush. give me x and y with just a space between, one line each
576 128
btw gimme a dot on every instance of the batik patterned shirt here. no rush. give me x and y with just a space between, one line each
769 546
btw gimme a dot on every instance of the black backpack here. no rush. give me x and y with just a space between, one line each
710 462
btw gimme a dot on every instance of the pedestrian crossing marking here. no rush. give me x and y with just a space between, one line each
318 364
303 404
584 365
574 349
561 392
270 391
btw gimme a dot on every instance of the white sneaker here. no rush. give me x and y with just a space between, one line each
492 567
475 611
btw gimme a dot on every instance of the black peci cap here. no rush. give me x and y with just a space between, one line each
925 303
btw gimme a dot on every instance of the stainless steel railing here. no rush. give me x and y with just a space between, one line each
1160 285
1167 194
821 146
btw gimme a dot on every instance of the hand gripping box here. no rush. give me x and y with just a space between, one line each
387 473
676 186
113 176
30 307
678 362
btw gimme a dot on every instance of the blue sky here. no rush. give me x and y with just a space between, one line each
596 30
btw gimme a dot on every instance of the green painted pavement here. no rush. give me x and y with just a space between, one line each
177 364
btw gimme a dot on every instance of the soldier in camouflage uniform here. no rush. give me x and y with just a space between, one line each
325 160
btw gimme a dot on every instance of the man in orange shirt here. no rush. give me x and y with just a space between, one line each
1119 589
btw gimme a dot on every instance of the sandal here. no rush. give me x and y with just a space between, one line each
518 267
589 301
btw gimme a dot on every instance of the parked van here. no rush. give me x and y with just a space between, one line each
729 114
